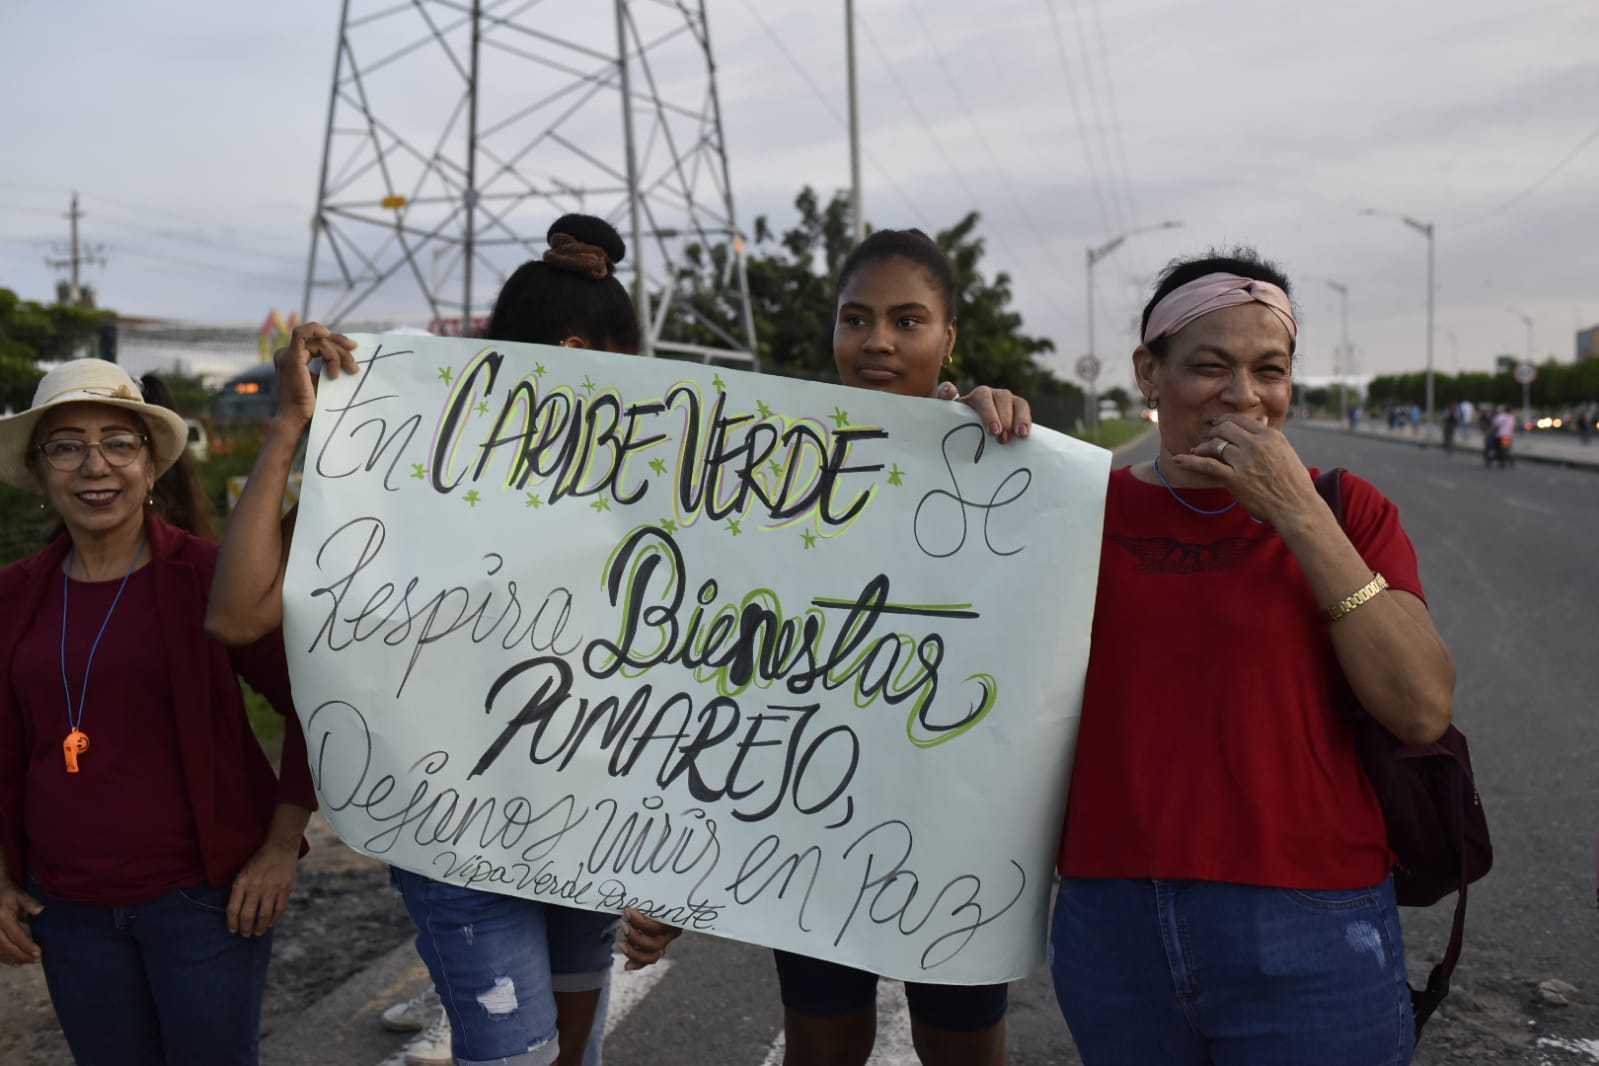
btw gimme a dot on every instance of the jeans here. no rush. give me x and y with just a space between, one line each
1192 973
161 983
497 962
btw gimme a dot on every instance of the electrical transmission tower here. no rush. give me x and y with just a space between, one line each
458 130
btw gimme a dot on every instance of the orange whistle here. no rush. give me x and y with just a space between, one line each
76 744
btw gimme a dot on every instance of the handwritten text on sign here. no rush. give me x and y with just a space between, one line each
786 662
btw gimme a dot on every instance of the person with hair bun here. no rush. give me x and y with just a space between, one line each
144 870
558 959
1226 892
894 331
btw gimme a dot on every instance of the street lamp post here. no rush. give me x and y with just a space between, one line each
1339 365
1091 416
1426 230
1526 387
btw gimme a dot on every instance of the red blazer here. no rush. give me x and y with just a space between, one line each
232 790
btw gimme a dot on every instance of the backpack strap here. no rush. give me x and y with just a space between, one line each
1329 485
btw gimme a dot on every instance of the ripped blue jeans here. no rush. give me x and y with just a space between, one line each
1196 973
497 962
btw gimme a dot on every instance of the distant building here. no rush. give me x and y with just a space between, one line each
1588 343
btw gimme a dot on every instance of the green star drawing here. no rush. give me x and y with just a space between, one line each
658 465
483 407
766 412
538 370
601 504
446 375
840 417
809 538
896 476
775 467
668 525
533 500
419 471
471 497
589 385
732 526
716 379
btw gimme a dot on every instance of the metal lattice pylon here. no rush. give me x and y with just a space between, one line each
458 130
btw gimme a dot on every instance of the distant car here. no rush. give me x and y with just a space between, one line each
199 446
248 395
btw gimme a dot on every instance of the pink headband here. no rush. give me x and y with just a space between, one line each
1211 293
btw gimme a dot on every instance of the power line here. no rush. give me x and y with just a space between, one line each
1077 111
1100 124
1592 136
988 148
882 171
938 144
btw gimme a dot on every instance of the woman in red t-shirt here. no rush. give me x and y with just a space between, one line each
144 870
1226 893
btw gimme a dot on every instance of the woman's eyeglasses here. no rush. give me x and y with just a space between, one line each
119 449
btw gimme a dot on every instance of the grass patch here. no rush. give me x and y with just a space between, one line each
267 723
1114 432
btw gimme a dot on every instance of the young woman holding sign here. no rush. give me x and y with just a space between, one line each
520 980
895 332
144 870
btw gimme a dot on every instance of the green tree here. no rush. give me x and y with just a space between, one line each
32 332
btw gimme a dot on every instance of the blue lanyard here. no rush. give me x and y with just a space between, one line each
66 591
1191 507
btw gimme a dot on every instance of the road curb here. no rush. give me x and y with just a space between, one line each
344 1028
1573 462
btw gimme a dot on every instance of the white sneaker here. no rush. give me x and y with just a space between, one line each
432 1048
415 1014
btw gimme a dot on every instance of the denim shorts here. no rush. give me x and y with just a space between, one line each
1197 973
159 983
824 989
497 962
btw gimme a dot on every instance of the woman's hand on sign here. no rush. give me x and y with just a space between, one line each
296 383
16 946
1004 414
644 939
261 891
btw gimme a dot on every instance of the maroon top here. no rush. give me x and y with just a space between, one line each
226 781
89 844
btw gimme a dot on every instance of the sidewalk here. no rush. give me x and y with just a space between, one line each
1555 448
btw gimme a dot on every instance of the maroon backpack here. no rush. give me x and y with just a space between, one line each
1436 827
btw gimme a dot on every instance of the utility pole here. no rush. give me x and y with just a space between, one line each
76 256
1339 367
854 125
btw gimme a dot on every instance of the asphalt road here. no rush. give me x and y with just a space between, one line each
1510 560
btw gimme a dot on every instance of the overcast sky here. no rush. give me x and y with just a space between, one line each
193 132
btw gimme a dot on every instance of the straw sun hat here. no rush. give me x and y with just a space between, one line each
88 381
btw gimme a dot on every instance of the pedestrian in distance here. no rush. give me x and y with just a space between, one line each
1226 892
1501 435
144 870
894 332
1451 422
558 958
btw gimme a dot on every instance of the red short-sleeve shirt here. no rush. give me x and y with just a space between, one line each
1210 747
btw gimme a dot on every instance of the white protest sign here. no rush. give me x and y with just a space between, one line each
785 662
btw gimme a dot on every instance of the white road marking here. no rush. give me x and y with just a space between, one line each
1441 482
1525 506
627 991
894 1044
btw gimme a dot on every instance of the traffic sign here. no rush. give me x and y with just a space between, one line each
1526 373
1087 367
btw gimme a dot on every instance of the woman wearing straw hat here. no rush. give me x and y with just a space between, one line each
146 847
